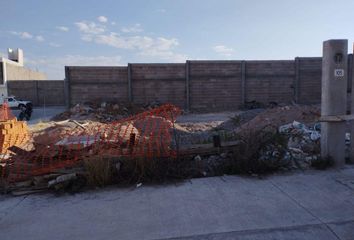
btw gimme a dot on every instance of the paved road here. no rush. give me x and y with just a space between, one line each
310 206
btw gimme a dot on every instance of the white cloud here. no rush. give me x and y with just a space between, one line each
63 28
164 55
39 38
162 48
223 50
52 44
161 10
134 29
90 27
54 67
113 23
23 35
135 42
102 19
117 41
166 44
87 38
159 48
27 35
155 48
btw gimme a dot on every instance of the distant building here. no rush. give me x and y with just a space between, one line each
12 68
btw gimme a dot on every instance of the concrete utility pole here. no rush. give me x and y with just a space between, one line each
352 112
334 99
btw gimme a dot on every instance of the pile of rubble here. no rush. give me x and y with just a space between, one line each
296 124
71 180
104 112
68 144
282 115
303 144
293 146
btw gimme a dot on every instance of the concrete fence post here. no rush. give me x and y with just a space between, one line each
351 67
130 91
334 99
297 80
37 93
187 85
350 71
243 83
67 92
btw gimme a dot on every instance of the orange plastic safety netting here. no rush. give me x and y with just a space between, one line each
5 113
146 135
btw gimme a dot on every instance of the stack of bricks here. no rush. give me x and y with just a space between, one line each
12 133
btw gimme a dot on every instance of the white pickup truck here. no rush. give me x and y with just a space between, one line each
13 102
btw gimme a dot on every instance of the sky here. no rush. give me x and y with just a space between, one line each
58 33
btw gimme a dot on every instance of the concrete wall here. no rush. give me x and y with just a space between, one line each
195 85
201 85
215 84
309 83
270 81
42 92
91 84
158 82
14 72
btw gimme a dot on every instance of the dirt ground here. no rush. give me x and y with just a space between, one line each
207 121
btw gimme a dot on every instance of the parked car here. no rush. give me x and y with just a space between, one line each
16 103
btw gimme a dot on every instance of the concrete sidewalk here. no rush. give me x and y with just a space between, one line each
314 205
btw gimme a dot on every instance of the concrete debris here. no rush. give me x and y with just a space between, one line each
300 128
42 183
62 179
77 141
303 145
103 112
297 123
27 183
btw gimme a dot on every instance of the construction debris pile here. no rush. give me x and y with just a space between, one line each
282 115
103 112
297 126
98 143
303 145
68 144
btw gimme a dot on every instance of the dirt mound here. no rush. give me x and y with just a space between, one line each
104 112
282 115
